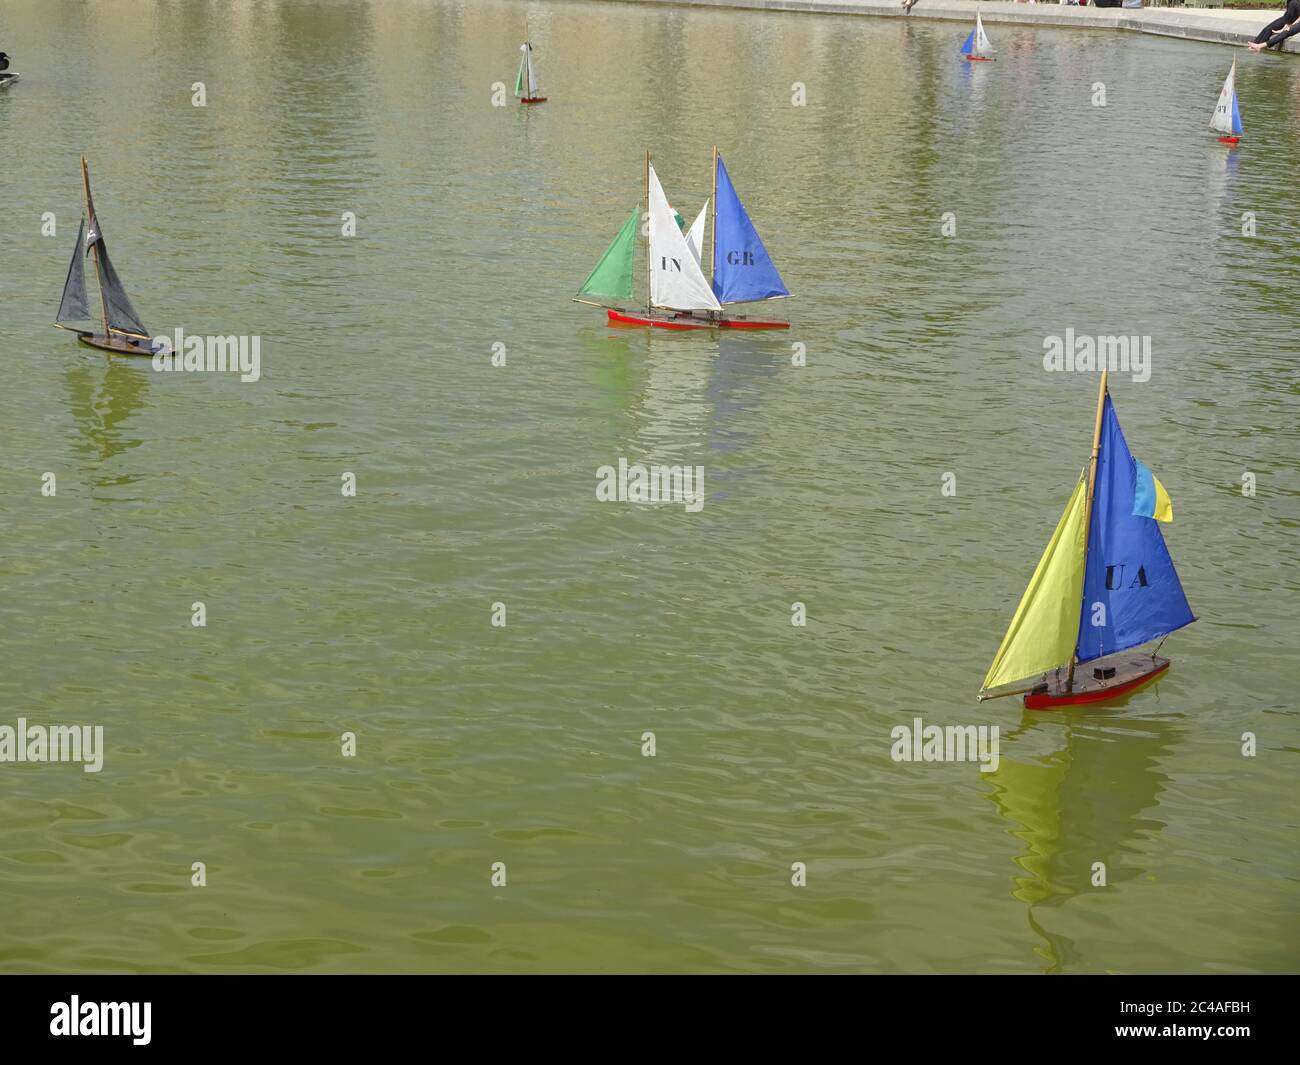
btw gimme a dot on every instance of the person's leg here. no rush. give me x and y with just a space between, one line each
1262 41
1270 29
1276 42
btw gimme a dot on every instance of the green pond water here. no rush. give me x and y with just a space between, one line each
522 744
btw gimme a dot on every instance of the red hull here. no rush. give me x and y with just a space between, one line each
979 58
1128 677
685 321
1229 140
532 99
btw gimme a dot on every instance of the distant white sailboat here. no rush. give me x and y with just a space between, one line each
977 46
527 86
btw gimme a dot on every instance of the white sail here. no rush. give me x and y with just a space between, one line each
695 235
676 280
981 45
1221 120
534 86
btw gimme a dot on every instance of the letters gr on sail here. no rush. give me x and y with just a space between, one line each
742 269
679 295
1227 115
1104 586
123 331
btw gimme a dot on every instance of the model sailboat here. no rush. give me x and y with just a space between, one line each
1227 118
678 295
122 330
976 47
527 87
1105 586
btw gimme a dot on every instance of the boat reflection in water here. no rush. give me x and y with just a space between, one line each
104 397
1094 798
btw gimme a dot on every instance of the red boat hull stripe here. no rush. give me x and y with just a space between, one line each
1048 701
721 323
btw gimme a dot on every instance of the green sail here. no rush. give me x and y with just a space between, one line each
612 276
519 78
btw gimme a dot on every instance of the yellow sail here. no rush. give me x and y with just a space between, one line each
1045 629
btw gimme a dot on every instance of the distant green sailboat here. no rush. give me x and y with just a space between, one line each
527 87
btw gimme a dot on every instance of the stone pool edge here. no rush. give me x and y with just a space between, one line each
1200 24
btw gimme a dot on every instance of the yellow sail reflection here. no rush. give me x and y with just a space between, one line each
1030 795
1045 628
1094 796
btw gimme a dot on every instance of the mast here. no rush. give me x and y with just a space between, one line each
528 65
1087 511
94 250
649 263
713 201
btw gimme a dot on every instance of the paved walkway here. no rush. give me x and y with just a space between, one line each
1196 24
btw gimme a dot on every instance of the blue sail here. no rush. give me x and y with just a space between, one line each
1129 570
969 46
742 270
1236 115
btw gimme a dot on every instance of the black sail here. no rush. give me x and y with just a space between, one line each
117 305
73 307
